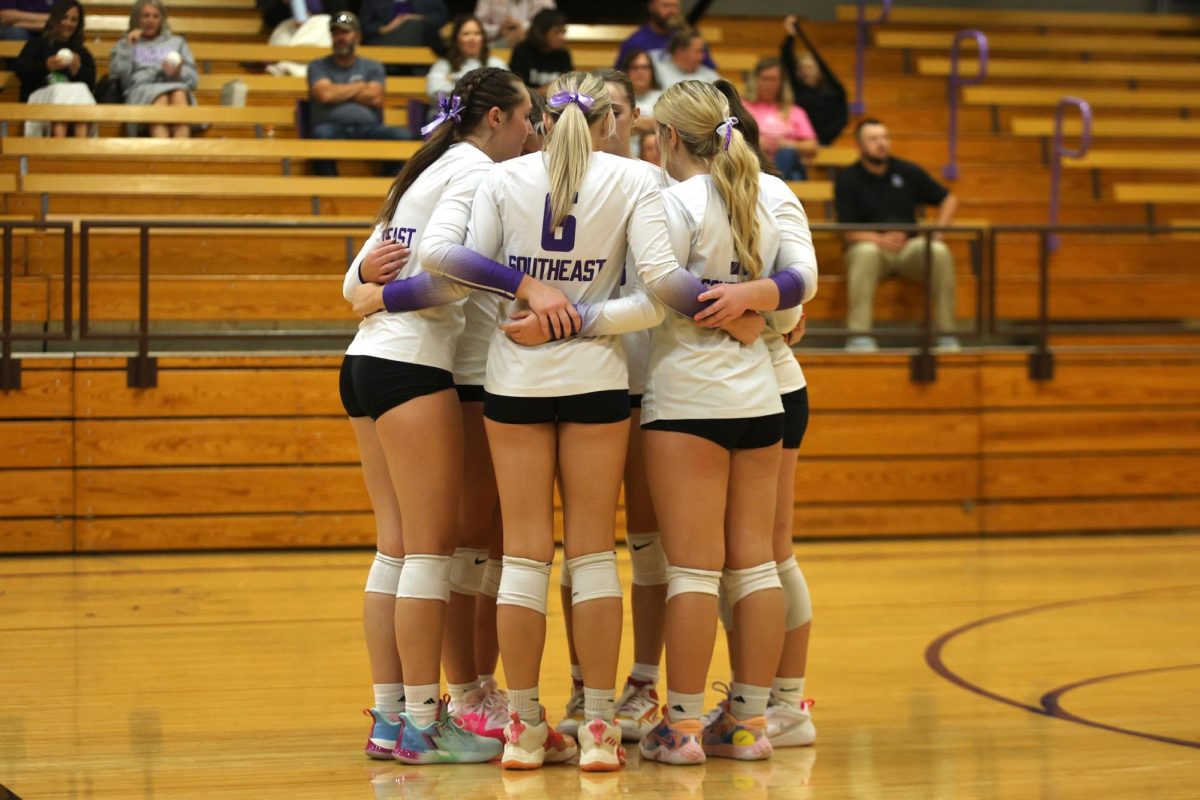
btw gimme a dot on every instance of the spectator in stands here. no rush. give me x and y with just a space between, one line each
467 50
403 23
684 62
639 66
543 56
347 92
665 20
787 137
154 66
647 147
307 25
47 77
814 86
23 19
507 21
881 189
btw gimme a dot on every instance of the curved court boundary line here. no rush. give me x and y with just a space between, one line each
934 658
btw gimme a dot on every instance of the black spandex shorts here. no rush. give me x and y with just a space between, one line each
469 394
593 408
372 386
795 418
635 401
746 433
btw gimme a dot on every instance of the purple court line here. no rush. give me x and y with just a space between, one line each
933 657
1050 701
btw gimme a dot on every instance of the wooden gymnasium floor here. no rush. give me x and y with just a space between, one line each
1036 668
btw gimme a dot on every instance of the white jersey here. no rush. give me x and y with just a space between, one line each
796 241
427 337
618 209
702 373
637 343
482 318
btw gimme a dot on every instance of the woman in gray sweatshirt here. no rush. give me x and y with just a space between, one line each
154 66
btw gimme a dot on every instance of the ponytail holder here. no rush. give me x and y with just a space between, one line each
725 129
447 109
584 102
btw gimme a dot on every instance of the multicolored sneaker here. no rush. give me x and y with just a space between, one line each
384 733
483 712
637 709
524 743
791 726
600 747
729 737
675 743
445 741
573 717
559 747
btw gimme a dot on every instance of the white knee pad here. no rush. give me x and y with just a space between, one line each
384 576
466 570
685 580
796 598
741 583
425 577
490 584
593 577
724 609
524 582
648 558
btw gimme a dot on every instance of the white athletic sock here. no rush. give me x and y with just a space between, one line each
525 703
459 690
483 679
389 697
746 701
599 704
646 673
421 704
788 691
684 706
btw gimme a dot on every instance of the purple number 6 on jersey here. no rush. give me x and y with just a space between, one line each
550 241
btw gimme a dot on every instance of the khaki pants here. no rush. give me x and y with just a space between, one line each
868 263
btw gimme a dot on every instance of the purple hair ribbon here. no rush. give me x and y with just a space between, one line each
726 129
584 102
447 109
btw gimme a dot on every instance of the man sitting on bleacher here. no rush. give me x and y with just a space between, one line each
346 92
881 189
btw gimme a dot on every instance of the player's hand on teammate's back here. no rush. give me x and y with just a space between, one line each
384 262
554 310
746 328
525 329
797 333
368 299
731 300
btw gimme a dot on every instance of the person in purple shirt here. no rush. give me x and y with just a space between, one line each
665 21
23 19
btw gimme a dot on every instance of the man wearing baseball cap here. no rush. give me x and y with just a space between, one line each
346 92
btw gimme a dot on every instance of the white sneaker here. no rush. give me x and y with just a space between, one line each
789 726
861 344
573 717
524 744
948 344
600 747
637 710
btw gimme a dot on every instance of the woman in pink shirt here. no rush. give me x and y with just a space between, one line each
787 137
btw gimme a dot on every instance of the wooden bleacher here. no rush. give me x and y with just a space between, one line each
1103 99
1099 45
1059 69
1012 18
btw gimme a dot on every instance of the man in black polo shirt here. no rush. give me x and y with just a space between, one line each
881 189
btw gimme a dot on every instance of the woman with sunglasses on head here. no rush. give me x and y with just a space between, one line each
714 421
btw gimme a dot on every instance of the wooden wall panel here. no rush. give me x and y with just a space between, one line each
36 443
885 519
1086 431
898 433
828 480
36 493
1130 474
882 383
1071 516
220 531
37 535
1117 380
47 391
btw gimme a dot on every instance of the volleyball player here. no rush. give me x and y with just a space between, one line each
400 370
638 704
714 424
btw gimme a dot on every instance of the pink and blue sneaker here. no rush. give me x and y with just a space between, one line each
484 711
676 743
384 732
444 741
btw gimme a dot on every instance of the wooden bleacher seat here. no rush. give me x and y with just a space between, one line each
1049 96
113 26
615 34
1058 69
1156 193
1108 127
1100 46
1182 160
1015 18
249 116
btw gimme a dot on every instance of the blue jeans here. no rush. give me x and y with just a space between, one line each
339 130
789 163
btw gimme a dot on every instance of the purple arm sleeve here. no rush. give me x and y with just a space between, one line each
678 290
791 288
465 266
423 290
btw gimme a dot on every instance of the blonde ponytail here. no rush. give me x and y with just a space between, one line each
700 114
574 101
